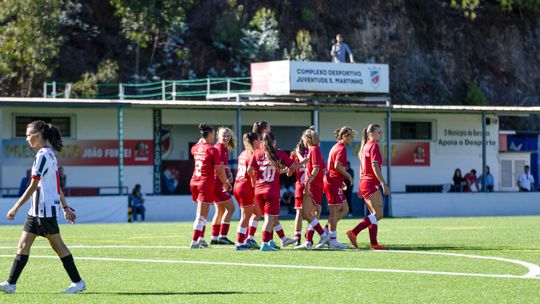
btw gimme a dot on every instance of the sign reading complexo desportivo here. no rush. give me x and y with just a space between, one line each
284 77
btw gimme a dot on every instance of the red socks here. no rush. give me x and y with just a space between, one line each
224 230
364 223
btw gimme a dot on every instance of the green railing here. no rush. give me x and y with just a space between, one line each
160 90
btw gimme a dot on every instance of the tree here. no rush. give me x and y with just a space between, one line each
150 23
301 48
475 96
29 43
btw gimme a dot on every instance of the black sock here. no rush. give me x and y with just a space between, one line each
18 265
69 266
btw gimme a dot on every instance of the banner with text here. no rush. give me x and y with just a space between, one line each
83 153
284 77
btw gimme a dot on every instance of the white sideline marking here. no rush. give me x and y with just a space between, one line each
533 270
291 267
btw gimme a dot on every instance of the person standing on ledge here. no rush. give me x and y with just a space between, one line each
339 49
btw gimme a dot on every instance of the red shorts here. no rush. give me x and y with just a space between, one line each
269 203
245 196
316 195
202 193
221 196
334 194
367 189
298 194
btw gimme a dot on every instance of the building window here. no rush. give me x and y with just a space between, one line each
412 130
63 123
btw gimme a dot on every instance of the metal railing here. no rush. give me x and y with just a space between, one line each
161 90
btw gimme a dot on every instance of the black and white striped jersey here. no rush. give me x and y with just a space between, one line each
46 198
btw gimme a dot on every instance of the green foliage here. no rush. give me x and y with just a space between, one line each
87 87
307 14
151 23
260 41
469 7
301 48
29 42
475 96
228 29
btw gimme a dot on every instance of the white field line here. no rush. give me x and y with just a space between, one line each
291 267
533 270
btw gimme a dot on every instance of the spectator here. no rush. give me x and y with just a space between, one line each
339 49
25 182
471 182
287 198
490 183
348 191
136 200
459 181
526 181
62 176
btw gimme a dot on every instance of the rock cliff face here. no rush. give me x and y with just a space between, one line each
433 51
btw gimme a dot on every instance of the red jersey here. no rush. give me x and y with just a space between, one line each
223 157
338 155
300 173
266 174
243 180
371 154
315 160
206 157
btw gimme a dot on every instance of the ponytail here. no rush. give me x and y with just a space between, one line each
248 140
343 131
260 126
365 137
205 130
299 146
49 132
270 150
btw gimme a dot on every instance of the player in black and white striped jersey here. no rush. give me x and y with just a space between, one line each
47 198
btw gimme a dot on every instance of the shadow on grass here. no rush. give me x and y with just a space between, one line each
167 293
434 247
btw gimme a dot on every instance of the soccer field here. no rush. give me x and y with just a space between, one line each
481 260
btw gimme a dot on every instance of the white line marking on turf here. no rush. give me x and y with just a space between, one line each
508 276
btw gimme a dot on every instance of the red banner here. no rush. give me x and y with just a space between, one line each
408 154
84 153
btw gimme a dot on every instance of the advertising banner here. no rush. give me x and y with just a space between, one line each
402 153
83 153
284 77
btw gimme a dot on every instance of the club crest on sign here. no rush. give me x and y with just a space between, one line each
374 77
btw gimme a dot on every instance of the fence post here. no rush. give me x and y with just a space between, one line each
163 97
45 90
174 90
120 91
207 86
53 89
67 90
228 86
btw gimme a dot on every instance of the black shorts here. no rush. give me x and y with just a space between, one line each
41 226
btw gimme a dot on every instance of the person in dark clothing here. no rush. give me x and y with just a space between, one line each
458 180
348 191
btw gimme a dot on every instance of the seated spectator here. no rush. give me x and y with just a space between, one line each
25 182
526 181
287 198
471 182
459 181
490 183
136 203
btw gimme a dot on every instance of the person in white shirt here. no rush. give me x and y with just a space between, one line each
526 181
47 202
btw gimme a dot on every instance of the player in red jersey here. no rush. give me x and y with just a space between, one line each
333 185
265 167
370 179
262 128
300 177
202 182
222 199
313 190
244 191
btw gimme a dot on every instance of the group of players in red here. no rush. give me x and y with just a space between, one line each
257 188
